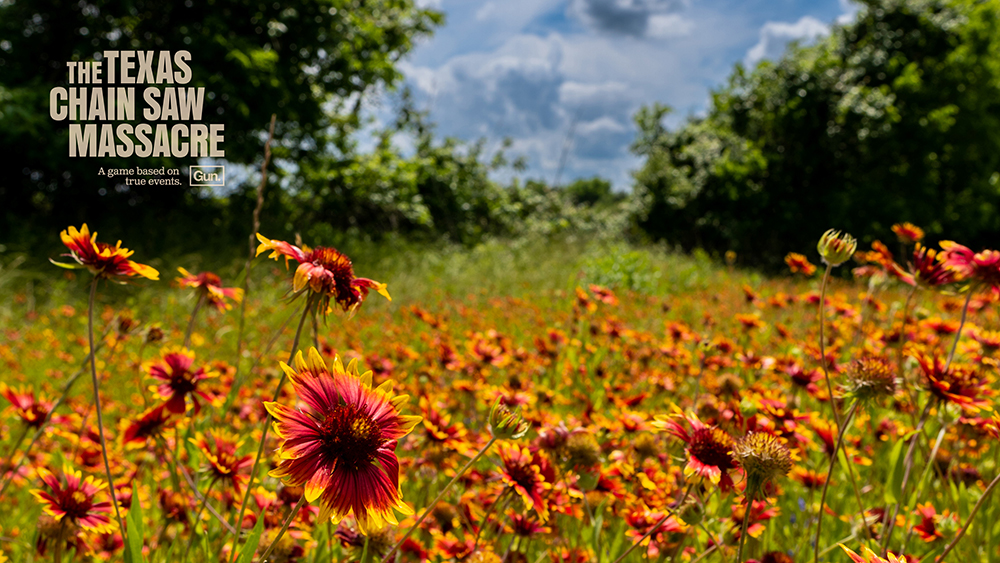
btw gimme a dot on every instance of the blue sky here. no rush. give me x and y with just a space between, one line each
562 78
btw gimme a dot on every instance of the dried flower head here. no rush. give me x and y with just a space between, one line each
836 248
582 450
763 458
870 378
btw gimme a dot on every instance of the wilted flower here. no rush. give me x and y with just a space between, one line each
836 248
341 448
103 260
328 273
209 286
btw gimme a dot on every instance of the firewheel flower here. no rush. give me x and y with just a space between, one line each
327 273
799 263
102 259
908 233
73 499
341 447
869 556
210 287
178 379
978 267
219 448
709 449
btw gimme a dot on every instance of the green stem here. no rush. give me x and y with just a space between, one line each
968 521
197 518
284 528
59 401
267 426
842 430
364 551
238 380
746 521
822 344
440 496
97 404
649 532
194 315
907 467
252 243
958 334
923 480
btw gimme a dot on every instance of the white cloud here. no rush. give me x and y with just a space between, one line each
850 10
537 70
662 26
775 37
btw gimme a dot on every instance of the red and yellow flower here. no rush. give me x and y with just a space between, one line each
327 273
341 446
178 380
209 286
869 556
102 259
709 449
224 464
73 499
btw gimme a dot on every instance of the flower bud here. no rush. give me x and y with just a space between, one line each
505 424
836 248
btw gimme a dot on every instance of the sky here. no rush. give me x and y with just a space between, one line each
563 78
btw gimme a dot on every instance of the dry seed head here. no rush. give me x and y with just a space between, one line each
836 248
763 458
870 378
582 450
646 445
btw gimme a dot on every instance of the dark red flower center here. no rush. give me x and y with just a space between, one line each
76 504
523 474
350 436
709 446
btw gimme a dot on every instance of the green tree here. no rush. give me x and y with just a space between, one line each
893 117
309 62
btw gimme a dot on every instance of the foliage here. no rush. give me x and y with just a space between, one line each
893 116
308 62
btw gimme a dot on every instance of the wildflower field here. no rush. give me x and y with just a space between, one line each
536 403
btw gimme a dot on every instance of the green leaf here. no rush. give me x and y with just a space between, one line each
894 488
135 530
246 556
